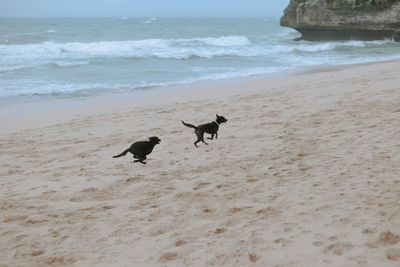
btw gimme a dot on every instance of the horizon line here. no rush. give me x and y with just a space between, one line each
128 17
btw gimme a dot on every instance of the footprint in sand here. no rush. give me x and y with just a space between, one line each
368 231
169 256
283 242
201 185
253 257
318 243
37 253
338 248
206 210
219 231
393 254
60 260
180 243
388 238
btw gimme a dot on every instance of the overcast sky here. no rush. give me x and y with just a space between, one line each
142 8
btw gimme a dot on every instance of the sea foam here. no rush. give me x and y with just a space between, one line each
93 55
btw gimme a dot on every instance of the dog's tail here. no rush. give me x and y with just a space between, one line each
189 125
122 154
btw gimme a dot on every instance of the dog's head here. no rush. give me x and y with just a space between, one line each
155 139
220 119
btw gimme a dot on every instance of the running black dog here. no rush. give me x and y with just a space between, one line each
210 128
141 149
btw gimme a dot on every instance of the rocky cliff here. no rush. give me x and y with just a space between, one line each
323 20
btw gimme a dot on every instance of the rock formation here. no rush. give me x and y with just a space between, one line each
320 20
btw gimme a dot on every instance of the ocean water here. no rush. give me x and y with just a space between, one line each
45 58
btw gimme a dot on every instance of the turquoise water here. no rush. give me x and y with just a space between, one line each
75 57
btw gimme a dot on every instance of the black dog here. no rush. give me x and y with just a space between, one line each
141 149
210 128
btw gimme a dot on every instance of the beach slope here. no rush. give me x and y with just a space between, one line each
305 173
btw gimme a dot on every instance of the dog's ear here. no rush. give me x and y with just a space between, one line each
217 115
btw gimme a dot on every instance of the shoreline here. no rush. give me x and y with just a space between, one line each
15 115
132 94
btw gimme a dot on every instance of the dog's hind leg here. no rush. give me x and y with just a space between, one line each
141 160
198 140
202 140
195 143
200 137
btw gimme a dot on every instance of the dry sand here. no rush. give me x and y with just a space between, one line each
305 173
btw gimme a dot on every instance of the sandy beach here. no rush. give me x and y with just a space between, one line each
305 173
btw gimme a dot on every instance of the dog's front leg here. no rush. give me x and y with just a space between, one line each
141 160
